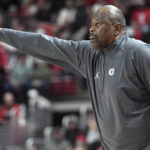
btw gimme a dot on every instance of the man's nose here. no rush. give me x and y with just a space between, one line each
92 29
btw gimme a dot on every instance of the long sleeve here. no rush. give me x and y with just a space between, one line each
65 53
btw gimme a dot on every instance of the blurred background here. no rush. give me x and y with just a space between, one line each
43 106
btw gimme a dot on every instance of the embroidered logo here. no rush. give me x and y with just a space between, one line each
97 76
111 72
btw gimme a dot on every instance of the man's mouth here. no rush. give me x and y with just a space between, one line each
92 39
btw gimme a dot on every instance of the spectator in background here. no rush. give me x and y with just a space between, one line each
92 136
20 75
57 141
39 113
80 143
41 76
29 9
78 28
44 12
137 18
20 71
11 110
8 4
66 16
15 24
140 22
36 100
11 10
72 129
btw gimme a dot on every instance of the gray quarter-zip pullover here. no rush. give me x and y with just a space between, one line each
118 79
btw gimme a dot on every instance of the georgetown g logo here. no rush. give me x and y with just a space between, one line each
111 72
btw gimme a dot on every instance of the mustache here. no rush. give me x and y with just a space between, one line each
92 35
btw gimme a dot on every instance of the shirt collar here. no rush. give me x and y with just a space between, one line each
115 45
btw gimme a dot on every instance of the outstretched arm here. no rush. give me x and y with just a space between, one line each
65 53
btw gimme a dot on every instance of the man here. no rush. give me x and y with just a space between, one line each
10 109
117 71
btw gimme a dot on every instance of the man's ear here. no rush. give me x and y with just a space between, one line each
117 28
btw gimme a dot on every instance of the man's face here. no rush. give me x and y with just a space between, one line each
8 99
101 31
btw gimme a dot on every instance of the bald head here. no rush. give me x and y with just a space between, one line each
108 25
114 14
